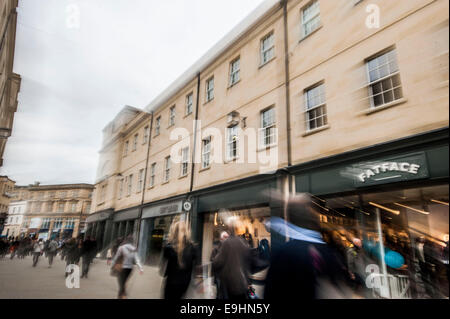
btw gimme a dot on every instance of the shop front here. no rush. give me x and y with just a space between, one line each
99 227
394 201
125 223
155 225
247 203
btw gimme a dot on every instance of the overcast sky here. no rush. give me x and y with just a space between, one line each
82 61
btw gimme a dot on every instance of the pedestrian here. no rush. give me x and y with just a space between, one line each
87 255
232 264
123 263
180 256
223 236
38 248
51 251
72 254
303 268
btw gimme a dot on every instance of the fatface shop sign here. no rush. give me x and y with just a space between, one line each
390 170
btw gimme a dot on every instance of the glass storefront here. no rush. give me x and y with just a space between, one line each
250 227
403 234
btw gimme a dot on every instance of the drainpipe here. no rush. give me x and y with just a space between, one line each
287 92
144 185
195 134
193 214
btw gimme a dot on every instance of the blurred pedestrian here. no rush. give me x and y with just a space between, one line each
180 256
123 262
71 253
51 251
223 236
232 264
302 267
38 249
88 253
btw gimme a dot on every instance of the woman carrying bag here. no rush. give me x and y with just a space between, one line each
123 263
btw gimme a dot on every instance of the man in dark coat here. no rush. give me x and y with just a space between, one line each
297 265
232 265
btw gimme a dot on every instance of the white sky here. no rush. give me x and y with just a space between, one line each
76 79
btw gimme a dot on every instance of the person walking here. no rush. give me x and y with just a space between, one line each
304 268
180 256
51 251
88 253
38 248
127 257
232 264
71 249
223 236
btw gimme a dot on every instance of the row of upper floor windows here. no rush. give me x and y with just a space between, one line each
73 207
384 88
382 92
50 194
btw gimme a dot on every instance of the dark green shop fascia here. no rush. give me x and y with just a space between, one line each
429 151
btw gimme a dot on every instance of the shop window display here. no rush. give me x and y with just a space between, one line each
403 235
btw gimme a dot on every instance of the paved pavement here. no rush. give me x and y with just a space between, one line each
19 280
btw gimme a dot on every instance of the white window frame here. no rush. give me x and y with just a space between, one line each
152 175
130 185
270 128
125 148
167 167
310 19
73 207
135 141
140 185
172 115
210 89
321 104
232 143
121 188
63 207
392 72
184 161
146 134
235 71
189 103
267 54
206 152
158 126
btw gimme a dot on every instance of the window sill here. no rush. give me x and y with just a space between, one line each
383 107
234 84
265 148
164 183
310 34
187 115
157 135
170 126
231 160
204 169
183 176
267 62
316 130
151 187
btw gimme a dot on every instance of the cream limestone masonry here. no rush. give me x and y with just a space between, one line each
336 53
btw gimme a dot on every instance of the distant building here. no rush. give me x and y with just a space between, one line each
50 211
9 81
6 188
14 220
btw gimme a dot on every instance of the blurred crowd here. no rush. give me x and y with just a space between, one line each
303 260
